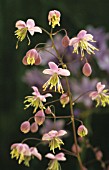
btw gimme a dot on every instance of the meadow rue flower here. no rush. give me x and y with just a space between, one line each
65 41
23 27
34 127
22 152
39 117
82 41
36 100
87 69
74 148
64 99
48 110
54 164
54 18
54 80
25 127
53 138
82 131
98 155
101 96
32 57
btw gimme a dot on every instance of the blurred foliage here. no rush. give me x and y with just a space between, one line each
76 15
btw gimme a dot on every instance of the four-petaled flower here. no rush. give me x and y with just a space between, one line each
54 18
101 96
82 41
36 100
54 80
53 138
24 27
22 152
32 57
54 164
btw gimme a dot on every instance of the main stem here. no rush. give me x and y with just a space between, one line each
71 107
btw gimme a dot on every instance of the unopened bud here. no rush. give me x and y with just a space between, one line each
76 149
87 70
39 117
34 127
82 131
25 127
65 41
64 99
48 110
99 155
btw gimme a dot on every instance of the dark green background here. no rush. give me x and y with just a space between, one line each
76 15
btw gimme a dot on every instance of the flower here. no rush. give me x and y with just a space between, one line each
82 41
82 131
53 138
54 18
25 127
36 100
75 149
23 28
54 80
34 127
32 57
22 152
39 117
65 41
64 99
87 70
54 164
100 96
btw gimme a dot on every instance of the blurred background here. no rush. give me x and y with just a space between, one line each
76 15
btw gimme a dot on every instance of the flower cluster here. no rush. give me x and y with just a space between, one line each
22 152
55 84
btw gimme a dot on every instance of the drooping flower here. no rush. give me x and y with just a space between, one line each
34 127
54 18
54 164
82 131
39 117
22 152
36 100
65 41
74 149
25 127
32 57
64 99
54 80
53 138
23 27
87 70
82 41
101 96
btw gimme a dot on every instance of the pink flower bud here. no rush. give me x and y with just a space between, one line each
82 131
39 117
48 110
99 155
65 41
87 69
64 99
34 127
25 127
74 148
